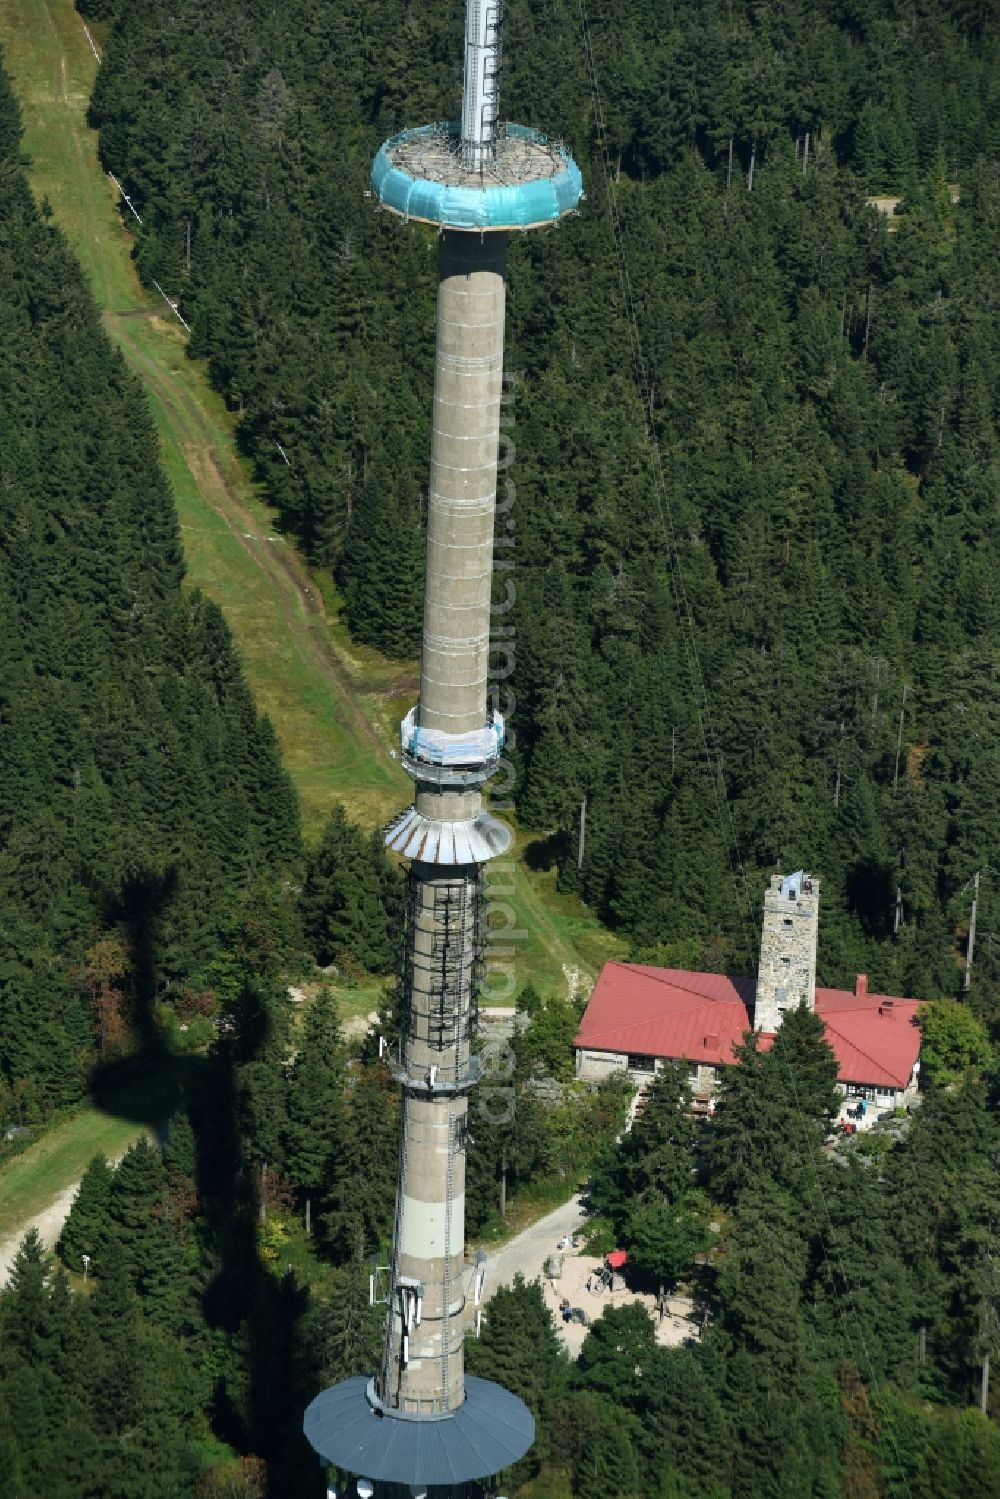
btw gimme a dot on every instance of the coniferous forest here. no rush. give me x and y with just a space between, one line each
144 811
757 622
772 640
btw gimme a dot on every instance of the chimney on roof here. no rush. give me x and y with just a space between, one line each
886 1010
861 986
786 977
710 1040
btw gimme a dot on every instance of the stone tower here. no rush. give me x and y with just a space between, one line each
786 976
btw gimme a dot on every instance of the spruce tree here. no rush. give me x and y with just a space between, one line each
118 1377
804 1060
518 1345
11 1471
345 1331
734 1160
343 915
607 1467
360 1183
142 1238
774 1110
682 1429
86 1226
316 1122
783 1438
179 1153
24 1312
617 1353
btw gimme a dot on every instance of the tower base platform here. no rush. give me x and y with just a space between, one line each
491 1430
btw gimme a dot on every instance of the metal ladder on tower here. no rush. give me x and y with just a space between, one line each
442 962
462 976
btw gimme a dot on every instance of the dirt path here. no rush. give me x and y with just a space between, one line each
527 1252
48 1223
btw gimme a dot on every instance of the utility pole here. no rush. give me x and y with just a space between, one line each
879 663
583 834
899 736
971 944
836 788
187 250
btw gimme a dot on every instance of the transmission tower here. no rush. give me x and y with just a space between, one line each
417 1425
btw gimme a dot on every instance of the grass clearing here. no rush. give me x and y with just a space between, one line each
137 1104
355 1000
314 686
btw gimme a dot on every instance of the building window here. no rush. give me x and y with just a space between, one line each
787 921
638 1063
860 1090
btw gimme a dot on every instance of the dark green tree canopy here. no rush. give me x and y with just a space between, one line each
713 645
141 795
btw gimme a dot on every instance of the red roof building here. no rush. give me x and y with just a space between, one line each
639 1015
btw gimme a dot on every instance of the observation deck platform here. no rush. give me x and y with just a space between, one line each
531 181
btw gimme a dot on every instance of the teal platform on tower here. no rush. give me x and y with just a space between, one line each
532 181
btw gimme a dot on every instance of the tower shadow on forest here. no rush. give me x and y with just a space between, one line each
260 1391
136 910
150 1084
549 852
263 1381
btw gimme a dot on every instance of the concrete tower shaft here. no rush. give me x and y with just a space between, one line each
419 1424
468 387
422 1370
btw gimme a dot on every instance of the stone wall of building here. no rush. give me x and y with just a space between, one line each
786 976
592 1066
703 1078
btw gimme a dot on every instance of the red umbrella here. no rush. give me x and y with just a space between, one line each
617 1258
